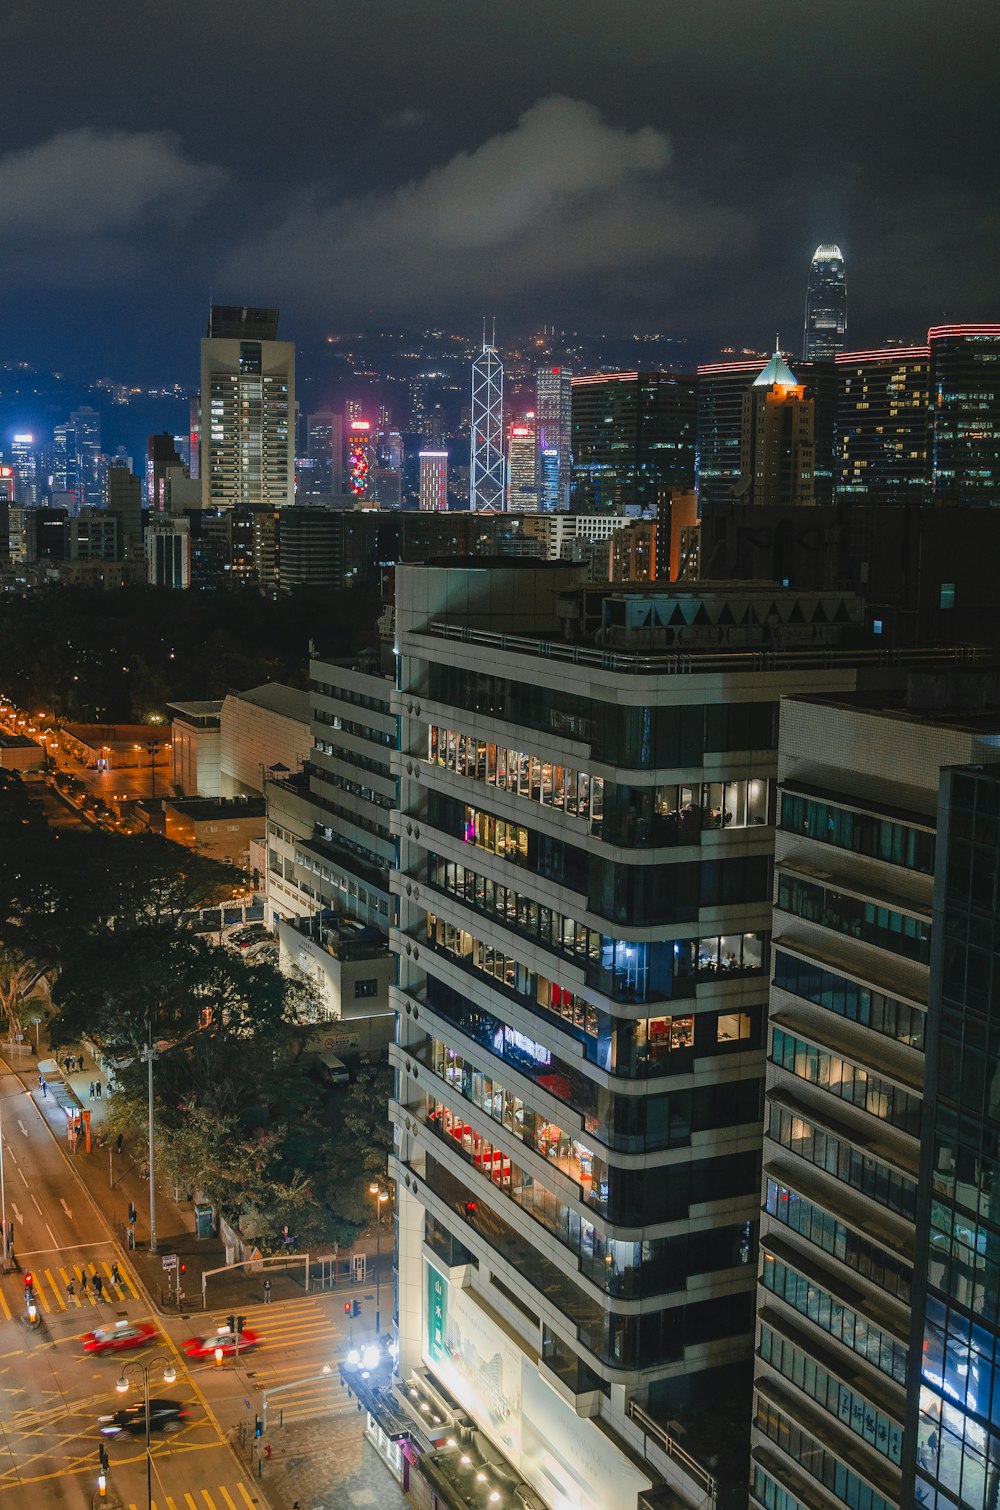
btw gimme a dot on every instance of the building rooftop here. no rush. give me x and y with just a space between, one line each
965 699
776 373
290 702
204 809
17 742
198 711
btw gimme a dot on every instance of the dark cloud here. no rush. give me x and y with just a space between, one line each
560 199
671 162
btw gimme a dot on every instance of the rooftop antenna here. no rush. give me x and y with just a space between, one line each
494 341
484 332
777 343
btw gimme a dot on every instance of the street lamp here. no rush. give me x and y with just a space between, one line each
381 1196
149 1054
145 1369
152 750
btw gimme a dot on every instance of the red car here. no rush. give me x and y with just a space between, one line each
222 1337
119 1336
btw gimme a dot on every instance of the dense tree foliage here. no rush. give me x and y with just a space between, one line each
238 1116
93 656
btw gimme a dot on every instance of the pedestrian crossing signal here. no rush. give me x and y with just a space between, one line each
357 1308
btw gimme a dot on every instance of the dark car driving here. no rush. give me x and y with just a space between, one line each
164 1415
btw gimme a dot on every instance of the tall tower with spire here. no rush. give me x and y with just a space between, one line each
777 447
826 305
486 471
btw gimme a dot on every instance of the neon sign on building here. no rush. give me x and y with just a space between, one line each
358 462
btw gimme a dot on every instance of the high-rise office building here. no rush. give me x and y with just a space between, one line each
585 842
553 430
24 461
522 475
325 450
434 480
247 409
777 451
965 413
721 386
63 461
486 468
360 460
161 457
952 1440
854 860
633 439
125 505
168 552
826 305
89 480
883 425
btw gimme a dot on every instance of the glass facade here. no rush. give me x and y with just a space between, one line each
883 425
953 1434
832 1394
850 1082
880 838
896 1192
836 1238
816 1460
849 998
633 439
843 1322
825 332
901 933
965 414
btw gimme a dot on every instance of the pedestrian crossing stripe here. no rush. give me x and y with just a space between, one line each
206 1502
53 1295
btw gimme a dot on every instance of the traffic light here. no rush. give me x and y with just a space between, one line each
258 1426
102 1453
132 1213
29 1281
241 1322
347 1308
183 1268
356 1308
231 1322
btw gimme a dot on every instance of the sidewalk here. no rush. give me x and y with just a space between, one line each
114 1180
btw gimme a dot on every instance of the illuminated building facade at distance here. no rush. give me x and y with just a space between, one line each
826 305
883 427
965 413
522 494
247 434
553 430
633 439
584 886
487 466
777 452
434 481
359 459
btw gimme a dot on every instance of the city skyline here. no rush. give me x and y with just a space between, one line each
630 192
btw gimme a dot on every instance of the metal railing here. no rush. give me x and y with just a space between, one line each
688 662
673 1450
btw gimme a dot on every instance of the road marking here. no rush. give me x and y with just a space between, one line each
37 1207
230 1502
53 1237
209 1501
65 1280
62 1203
22 1127
41 1293
55 1289
192 1502
23 1180
17 1215
10 1155
5 1307
240 1486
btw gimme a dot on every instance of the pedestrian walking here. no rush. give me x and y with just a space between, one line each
45 1088
267 1292
83 1283
92 1090
98 1086
71 1289
99 1286
115 1275
120 1143
41 1081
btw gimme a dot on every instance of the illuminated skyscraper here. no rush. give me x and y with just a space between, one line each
359 460
882 424
486 472
826 305
247 409
25 464
86 423
633 439
553 430
434 481
777 452
965 413
325 447
522 492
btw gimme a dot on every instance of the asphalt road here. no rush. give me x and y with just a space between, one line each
51 1392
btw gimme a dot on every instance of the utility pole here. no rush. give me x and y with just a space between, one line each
150 1054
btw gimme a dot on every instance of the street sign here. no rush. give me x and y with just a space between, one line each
170 1260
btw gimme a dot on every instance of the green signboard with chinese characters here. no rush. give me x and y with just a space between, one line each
437 1313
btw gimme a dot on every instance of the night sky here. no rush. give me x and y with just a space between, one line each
660 165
